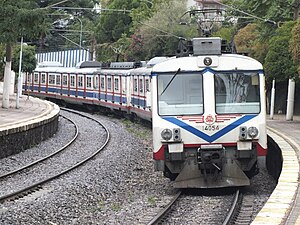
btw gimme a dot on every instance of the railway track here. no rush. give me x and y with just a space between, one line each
36 184
4 175
167 210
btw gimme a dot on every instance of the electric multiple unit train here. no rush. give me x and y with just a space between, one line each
208 108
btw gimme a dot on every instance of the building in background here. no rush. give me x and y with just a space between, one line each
209 4
191 3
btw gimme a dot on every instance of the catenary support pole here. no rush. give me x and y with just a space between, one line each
272 100
19 87
290 100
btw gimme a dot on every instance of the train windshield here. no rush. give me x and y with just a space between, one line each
180 94
237 92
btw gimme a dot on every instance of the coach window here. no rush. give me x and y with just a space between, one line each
147 85
141 87
88 82
36 78
72 81
51 79
80 81
109 83
180 94
57 79
116 84
102 83
135 85
43 81
65 80
237 92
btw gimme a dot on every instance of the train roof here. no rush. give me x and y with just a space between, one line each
223 62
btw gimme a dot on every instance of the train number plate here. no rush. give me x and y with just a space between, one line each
211 127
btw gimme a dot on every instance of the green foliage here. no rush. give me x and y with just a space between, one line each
295 44
137 35
278 62
246 38
225 33
276 10
161 38
20 18
113 23
28 59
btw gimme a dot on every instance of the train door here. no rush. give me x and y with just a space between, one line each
72 85
108 88
42 84
28 82
58 84
148 91
80 88
102 91
51 84
141 95
65 84
117 88
88 87
96 87
124 88
36 82
134 90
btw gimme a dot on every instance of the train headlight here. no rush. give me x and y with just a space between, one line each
252 132
166 134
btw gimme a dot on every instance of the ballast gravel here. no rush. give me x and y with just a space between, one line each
119 186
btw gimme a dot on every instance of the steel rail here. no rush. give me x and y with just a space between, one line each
233 209
46 157
163 212
37 184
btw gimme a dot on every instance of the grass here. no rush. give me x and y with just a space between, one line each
152 200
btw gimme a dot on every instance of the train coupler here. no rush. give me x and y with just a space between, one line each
209 159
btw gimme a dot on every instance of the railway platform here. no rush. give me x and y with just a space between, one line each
34 121
283 206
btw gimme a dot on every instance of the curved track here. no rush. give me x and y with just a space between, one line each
46 157
30 188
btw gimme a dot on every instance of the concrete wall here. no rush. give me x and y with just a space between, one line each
15 142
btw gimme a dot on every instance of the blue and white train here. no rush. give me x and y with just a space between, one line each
208 109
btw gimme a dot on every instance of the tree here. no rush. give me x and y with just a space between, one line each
21 18
245 38
28 58
18 18
295 45
114 23
158 39
278 63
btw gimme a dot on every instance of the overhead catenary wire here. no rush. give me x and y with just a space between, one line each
163 31
246 13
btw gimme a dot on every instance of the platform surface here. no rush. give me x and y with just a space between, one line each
30 111
283 206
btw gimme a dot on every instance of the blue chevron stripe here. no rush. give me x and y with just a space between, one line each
204 136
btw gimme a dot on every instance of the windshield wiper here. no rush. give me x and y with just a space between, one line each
175 74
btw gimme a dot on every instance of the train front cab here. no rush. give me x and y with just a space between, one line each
208 125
